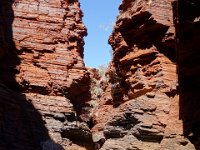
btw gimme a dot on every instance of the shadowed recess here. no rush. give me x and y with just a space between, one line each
188 37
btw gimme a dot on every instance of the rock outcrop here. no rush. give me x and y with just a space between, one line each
44 83
146 100
140 108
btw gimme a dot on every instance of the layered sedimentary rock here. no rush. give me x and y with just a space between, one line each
44 84
50 100
140 109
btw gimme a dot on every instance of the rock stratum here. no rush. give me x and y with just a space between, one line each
151 81
44 83
146 100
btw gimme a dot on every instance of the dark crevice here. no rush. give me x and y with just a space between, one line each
187 43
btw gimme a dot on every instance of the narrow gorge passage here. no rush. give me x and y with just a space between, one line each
99 20
146 99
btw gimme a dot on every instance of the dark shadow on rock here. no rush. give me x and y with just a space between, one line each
187 25
21 125
79 134
8 53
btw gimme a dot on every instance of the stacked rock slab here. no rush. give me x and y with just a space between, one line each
44 84
144 113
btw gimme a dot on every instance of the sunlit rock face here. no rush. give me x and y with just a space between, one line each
140 108
44 83
49 100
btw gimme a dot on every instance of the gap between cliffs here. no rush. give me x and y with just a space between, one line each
50 100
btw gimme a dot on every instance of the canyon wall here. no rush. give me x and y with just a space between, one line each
147 99
44 83
140 109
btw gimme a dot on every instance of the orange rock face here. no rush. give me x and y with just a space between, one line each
142 109
41 60
49 100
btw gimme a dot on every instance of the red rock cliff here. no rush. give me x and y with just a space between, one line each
44 83
47 100
140 109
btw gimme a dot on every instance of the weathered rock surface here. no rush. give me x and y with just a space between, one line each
140 109
44 83
49 100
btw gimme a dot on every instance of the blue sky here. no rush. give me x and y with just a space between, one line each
99 17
